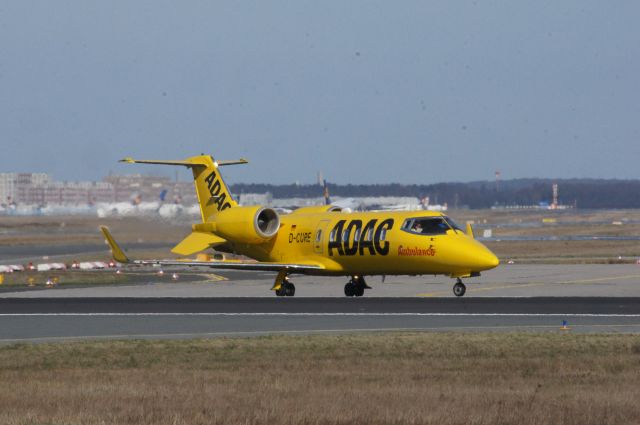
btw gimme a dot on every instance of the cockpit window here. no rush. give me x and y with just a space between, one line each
426 226
452 224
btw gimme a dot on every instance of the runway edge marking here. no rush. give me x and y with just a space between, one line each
319 314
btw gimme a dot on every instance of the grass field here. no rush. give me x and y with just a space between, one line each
418 378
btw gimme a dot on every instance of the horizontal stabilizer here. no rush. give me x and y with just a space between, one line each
196 242
189 162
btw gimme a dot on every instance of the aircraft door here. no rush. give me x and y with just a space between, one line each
320 236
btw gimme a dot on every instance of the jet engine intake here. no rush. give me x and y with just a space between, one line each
254 224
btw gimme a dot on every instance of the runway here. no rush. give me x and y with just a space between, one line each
590 298
52 319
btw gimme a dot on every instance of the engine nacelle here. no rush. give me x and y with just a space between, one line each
253 224
317 209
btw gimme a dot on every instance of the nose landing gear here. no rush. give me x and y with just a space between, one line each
355 287
459 289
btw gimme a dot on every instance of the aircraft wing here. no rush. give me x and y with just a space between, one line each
121 257
233 265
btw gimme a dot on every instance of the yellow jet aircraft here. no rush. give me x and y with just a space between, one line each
320 240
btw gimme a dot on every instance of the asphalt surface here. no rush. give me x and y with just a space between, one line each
587 298
508 280
52 319
318 306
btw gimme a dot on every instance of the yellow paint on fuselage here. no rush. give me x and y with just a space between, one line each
304 238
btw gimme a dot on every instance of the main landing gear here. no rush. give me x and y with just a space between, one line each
287 289
459 289
282 286
355 287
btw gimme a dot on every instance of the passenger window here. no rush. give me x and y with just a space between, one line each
383 234
332 235
318 235
356 235
345 235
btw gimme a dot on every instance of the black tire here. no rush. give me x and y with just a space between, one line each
281 292
349 289
459 289
359 291
289 289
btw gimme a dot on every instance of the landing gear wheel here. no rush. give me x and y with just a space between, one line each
360 285
355 287
459 289
289 289
350 289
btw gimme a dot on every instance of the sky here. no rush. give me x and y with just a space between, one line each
364 91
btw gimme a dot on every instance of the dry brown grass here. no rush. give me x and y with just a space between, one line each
79 230
387 378
566 217
595 251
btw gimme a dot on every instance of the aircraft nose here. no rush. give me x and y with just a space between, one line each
484 259
491 261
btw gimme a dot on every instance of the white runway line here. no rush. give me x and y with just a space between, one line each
318 314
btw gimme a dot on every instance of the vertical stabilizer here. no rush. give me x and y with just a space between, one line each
213 194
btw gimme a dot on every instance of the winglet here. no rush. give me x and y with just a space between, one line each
116 251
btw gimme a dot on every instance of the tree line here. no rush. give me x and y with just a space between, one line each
581 193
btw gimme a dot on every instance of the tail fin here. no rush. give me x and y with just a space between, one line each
213 193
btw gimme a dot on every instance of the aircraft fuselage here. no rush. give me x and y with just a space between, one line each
374 243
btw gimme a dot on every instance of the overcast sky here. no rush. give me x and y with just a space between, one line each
366 91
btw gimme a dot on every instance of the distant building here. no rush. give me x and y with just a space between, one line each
75 193
151 188
41 189
17 186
